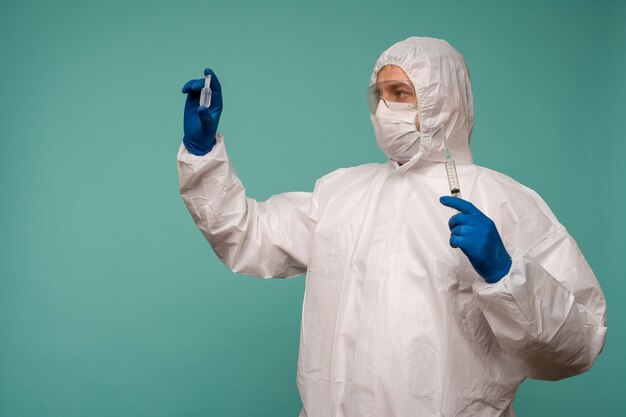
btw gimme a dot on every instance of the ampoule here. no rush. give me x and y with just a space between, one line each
205 93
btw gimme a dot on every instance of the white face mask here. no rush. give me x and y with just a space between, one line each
395 130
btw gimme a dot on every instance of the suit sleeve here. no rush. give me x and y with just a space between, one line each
549 312
264 239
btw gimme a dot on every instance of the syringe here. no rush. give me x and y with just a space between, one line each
205 93
453 179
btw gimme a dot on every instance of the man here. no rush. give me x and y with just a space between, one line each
410 309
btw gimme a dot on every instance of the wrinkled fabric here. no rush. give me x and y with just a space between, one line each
395 322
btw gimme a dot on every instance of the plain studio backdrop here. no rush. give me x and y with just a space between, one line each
111 301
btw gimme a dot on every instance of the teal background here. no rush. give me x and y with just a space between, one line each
112 303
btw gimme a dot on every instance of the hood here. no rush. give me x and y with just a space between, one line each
444 93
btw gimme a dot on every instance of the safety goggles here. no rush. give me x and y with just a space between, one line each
392 92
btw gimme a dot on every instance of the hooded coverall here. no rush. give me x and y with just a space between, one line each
395 322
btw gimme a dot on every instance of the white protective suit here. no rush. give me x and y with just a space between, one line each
395 322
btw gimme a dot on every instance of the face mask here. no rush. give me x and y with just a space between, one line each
396 133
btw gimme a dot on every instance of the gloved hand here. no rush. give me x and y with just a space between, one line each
200 123
476 235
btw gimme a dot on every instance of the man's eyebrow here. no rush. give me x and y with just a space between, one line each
393 82
396 84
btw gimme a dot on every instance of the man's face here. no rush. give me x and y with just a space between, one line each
395 73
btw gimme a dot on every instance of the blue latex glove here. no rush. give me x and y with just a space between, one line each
200 123
476 235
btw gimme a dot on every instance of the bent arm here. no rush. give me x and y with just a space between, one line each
265 239
549 310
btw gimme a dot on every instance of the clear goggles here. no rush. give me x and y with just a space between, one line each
396 94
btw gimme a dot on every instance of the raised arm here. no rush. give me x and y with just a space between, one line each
265 239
